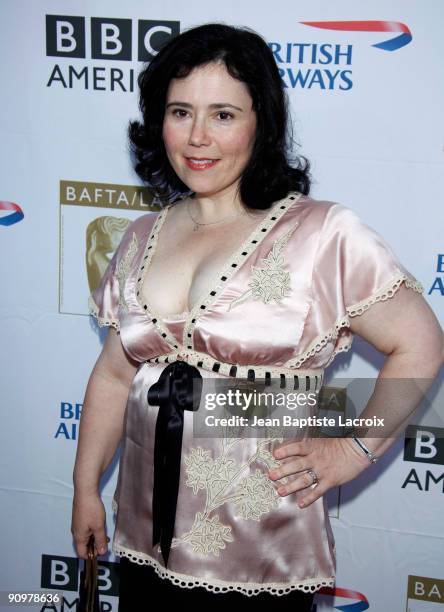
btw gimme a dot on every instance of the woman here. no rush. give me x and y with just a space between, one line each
241 274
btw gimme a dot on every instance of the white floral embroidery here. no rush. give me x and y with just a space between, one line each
123 269
257 498
270 281
208 535
224 480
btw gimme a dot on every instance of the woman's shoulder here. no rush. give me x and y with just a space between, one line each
147 219
320 211
143 225
136 233
319 205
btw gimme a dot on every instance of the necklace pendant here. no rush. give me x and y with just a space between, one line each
196 227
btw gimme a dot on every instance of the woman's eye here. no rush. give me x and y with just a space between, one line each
225 115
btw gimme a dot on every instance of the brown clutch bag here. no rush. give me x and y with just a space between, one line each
88 591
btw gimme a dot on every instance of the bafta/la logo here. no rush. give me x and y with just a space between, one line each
392 44
424 593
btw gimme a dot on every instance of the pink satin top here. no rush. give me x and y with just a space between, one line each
282 304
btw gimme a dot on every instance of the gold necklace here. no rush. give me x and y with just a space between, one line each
198 223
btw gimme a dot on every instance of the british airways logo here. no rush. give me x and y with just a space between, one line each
359 604
392 44
15 213
328 65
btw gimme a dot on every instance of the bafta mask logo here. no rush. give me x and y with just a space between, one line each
103 236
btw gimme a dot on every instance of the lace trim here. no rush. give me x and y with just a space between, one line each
310 585
386 292
102 321
305 380
340 349
318 343
124 267
220 280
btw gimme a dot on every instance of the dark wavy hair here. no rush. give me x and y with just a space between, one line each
268 175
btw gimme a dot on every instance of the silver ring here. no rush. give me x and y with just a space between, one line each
314 476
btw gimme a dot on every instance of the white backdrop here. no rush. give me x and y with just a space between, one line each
371 124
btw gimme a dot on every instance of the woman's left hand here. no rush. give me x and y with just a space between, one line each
334 461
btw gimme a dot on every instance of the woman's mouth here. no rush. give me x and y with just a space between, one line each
200 164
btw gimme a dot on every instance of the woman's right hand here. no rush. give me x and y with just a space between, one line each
88 517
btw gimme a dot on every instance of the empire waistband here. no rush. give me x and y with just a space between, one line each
297 379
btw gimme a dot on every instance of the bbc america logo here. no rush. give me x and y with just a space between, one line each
106 38
424 444
62 573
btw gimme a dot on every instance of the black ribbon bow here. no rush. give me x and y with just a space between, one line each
179 388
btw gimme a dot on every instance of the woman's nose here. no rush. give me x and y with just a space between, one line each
199 133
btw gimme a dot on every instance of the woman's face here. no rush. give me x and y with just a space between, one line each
209 115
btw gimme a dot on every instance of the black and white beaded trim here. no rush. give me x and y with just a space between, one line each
302 380
220 280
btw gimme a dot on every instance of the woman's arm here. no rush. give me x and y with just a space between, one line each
405 329
101 422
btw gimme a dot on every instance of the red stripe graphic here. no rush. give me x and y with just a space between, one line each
360 26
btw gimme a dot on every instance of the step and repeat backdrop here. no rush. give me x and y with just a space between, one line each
366 90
